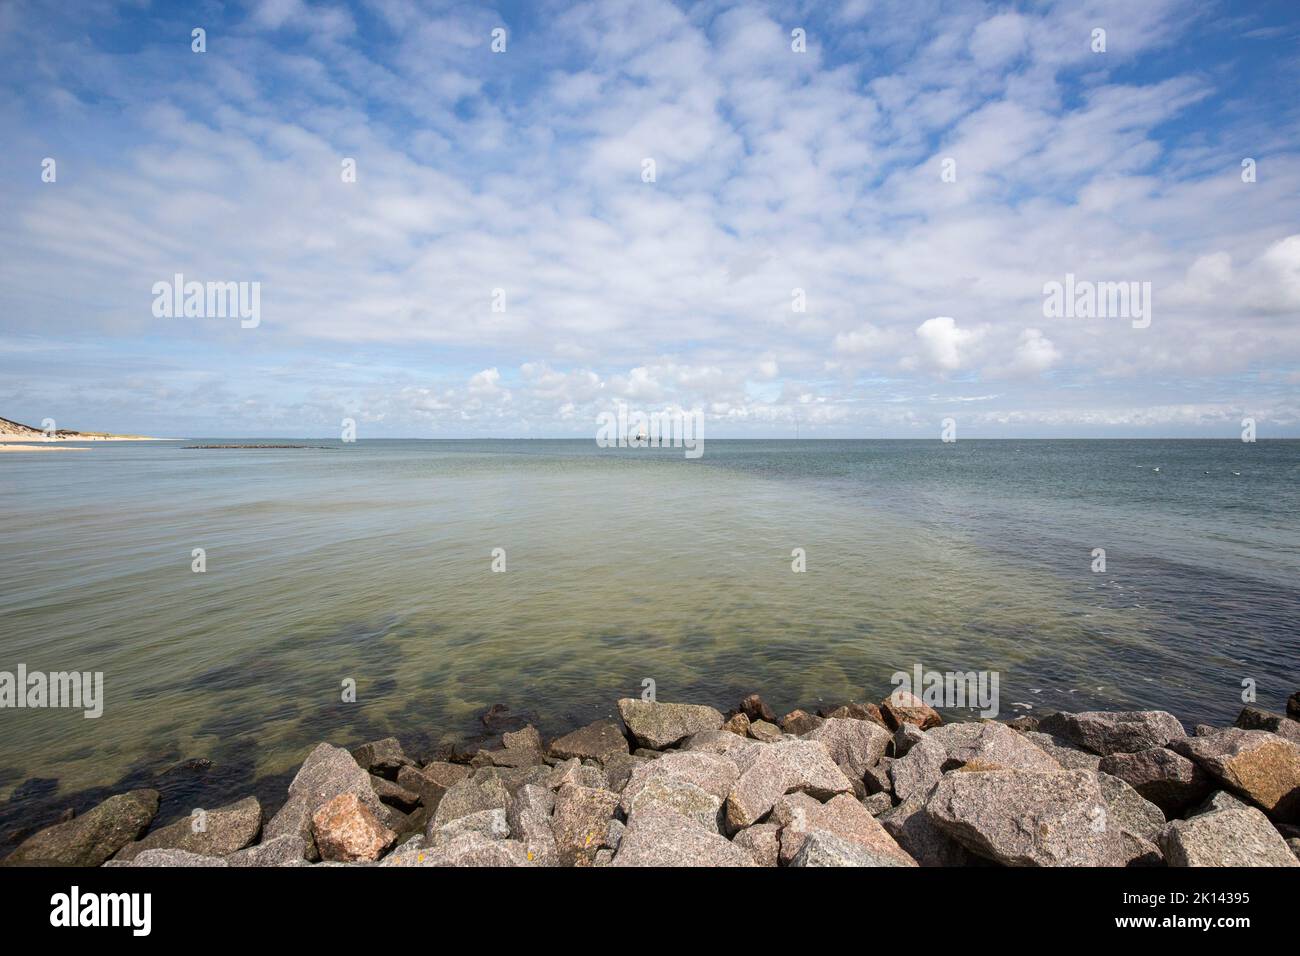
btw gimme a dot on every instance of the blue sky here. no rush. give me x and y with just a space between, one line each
775 171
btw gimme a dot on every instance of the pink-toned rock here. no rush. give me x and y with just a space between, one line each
778 769
738 724
347 831
581 822
854 745
762 841
799 815
799 722
1255 763
903 707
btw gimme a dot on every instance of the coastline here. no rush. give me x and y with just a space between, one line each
670 784
7 446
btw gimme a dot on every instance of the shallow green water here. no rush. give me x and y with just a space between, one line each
371 562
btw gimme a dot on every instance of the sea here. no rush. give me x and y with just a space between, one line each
244 604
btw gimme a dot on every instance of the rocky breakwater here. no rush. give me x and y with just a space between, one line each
671 784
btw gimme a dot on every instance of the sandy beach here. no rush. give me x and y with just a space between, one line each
49 447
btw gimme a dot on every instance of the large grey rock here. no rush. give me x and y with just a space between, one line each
799 815
521 748
906 737
660 837
1255 718
660 726
432 781
1219 800
530 823
619 769
951 745
492 824
93 837
781 768
693 784
394 794
287 850
1139 821
169 857
217 832
762 841
919 837
1029 817
596 741
719 742
1169 780
1108 732
1259 765
482 791
581 822
327 772
825 849
1062 751
854 745
468 849
878 803
1128 809
903 707
766 733
384 758
1235 837
574 773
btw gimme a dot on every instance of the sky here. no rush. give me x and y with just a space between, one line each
851 240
